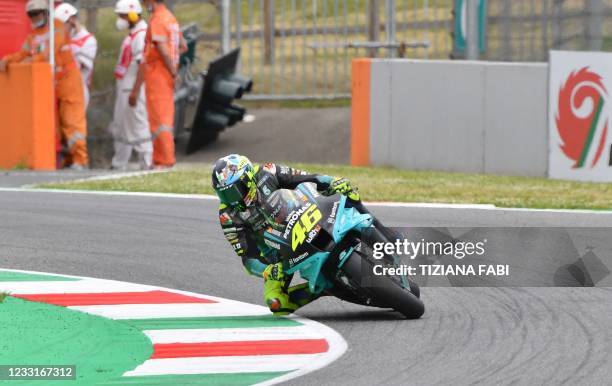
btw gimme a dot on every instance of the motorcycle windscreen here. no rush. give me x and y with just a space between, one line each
281 204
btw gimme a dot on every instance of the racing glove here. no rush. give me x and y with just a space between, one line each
274 272
343 186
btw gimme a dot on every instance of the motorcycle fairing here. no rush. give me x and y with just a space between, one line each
347 219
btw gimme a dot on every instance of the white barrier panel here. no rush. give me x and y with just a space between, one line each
474 117
579 116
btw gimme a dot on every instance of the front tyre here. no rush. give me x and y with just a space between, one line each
382 289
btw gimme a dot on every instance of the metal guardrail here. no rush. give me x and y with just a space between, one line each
388 45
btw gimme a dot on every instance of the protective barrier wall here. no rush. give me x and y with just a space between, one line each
27 123
474 117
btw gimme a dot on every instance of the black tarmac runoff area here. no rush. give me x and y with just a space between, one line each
485 335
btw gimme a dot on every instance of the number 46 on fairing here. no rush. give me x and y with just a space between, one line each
305 224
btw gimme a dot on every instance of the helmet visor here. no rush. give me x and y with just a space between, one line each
234 194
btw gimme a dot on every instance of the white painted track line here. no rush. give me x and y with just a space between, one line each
229 364
296 364
374 204
81 286
231 334
186 310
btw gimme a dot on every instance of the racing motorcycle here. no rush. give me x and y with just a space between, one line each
329 240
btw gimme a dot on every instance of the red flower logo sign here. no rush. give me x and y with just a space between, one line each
581 101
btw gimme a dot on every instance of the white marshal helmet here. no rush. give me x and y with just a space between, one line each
37 5
125 7
65 11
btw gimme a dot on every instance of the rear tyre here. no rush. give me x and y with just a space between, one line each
382 289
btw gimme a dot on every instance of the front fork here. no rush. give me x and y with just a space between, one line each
389 235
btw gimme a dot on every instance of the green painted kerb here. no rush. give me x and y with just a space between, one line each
212 322
42 334
233 379
20 276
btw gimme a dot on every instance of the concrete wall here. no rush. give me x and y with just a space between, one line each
474 117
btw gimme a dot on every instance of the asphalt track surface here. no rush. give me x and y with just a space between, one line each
282 135
16 178
467 335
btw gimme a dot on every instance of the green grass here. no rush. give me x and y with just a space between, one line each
388 184
3 295
21 165
607 44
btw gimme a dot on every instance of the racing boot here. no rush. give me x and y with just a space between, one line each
277 299
300 294
276 296
283 302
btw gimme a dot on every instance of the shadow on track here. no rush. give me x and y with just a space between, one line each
357 315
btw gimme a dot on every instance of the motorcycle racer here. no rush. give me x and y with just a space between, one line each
243 188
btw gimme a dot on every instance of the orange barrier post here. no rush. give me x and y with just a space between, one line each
360 113
27 120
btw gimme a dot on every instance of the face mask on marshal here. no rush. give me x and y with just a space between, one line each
39 23
122 24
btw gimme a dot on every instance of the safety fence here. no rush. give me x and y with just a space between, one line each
525 30
303 48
